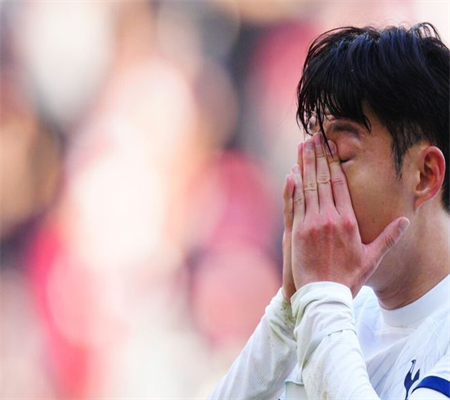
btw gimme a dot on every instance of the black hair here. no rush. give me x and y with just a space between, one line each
401 74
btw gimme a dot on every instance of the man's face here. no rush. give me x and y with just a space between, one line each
378 196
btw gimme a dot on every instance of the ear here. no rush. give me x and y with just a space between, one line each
431 174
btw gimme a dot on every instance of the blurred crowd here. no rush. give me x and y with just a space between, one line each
144 147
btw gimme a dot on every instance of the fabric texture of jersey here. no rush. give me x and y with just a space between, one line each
329 346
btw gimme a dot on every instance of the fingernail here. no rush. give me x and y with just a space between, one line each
309 145
296 169
403 225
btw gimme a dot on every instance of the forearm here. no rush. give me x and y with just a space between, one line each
328 349
266 360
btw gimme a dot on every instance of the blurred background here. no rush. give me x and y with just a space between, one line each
144 147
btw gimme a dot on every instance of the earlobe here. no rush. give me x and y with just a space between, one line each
431 169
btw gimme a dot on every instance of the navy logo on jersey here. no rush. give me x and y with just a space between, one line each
409 380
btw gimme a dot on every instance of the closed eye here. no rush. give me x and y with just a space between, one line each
343 127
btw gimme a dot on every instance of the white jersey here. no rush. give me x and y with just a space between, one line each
328 346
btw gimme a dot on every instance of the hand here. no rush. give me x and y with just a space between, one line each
326 244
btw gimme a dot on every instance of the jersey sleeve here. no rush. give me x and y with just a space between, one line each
331 362
266 360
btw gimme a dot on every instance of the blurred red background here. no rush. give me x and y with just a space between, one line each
143 151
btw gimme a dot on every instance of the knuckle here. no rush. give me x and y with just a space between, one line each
390 241
299 201
323 178
328 223
348 223
325 224
312 230
338 181
310 186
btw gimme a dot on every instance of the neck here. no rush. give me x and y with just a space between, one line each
416 264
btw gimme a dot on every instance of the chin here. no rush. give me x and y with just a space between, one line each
383 275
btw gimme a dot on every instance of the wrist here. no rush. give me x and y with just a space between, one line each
288 291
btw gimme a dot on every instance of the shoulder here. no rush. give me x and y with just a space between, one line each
436 328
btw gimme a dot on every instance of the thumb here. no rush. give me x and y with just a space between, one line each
388 238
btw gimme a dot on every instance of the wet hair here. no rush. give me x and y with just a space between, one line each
400 74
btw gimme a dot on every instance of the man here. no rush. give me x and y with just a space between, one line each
366 204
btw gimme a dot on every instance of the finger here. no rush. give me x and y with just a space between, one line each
300 156
309 178
288 287
288 202
299 198
324 190
339 185
387 239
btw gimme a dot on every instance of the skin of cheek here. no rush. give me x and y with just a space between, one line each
376 196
